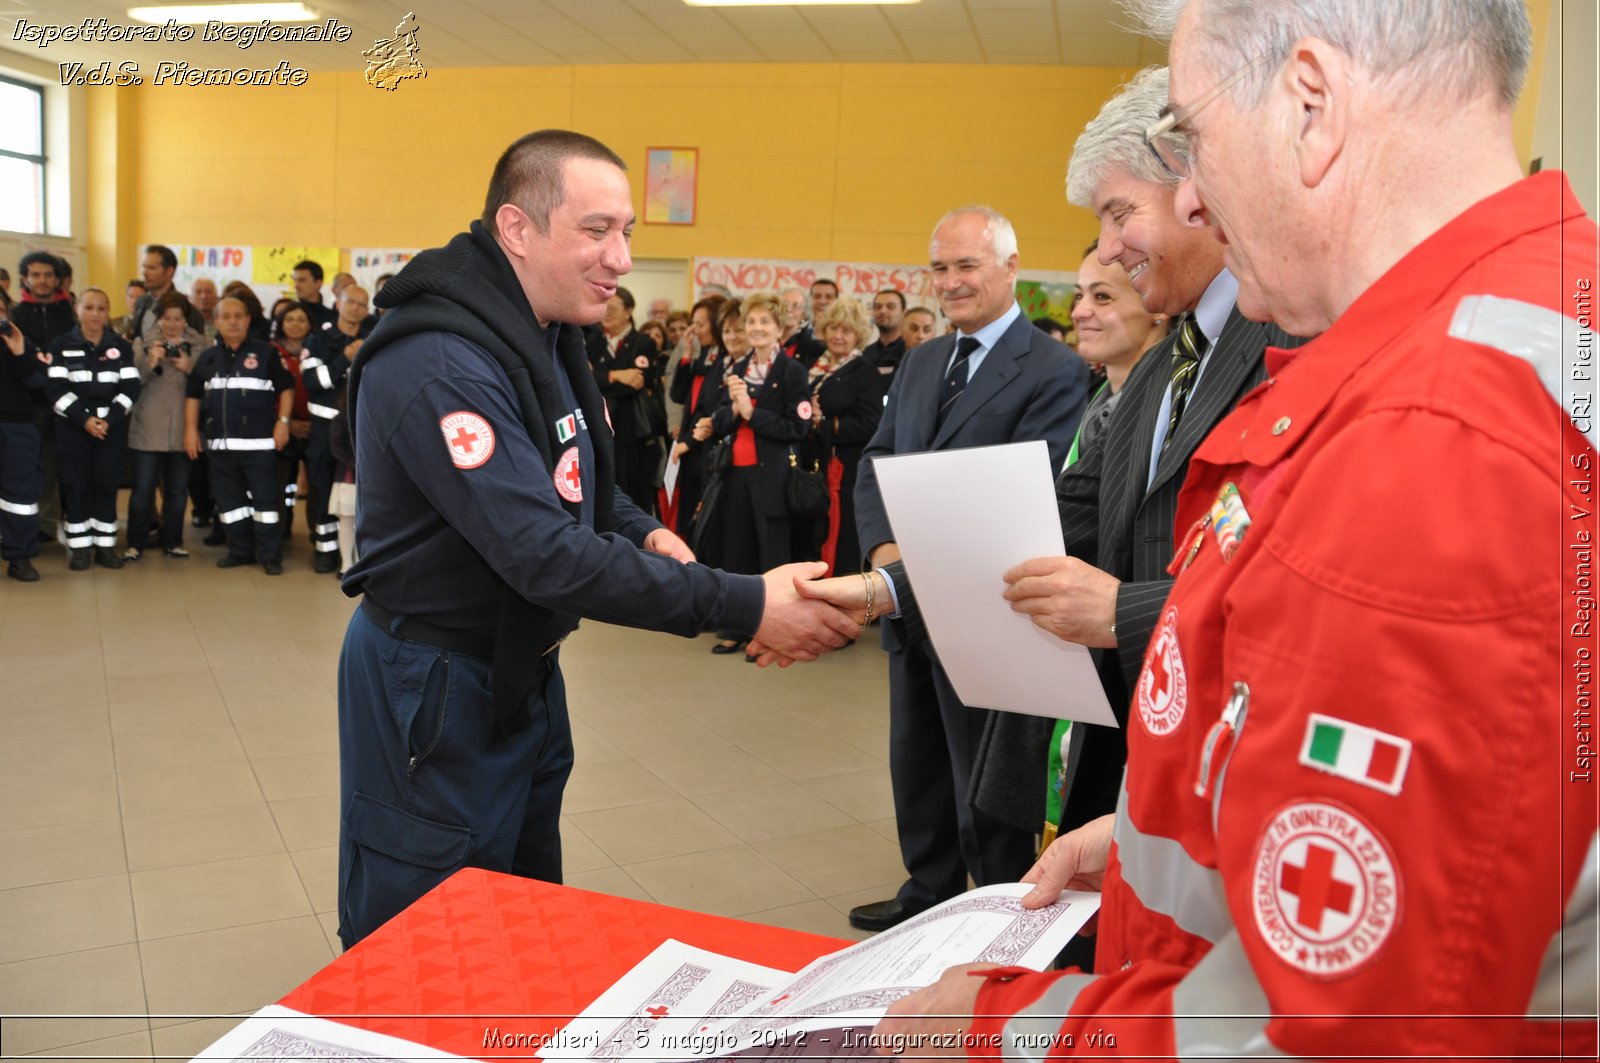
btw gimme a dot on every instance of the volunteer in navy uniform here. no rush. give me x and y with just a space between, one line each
91 384
20 379
489 522
240 397
327 359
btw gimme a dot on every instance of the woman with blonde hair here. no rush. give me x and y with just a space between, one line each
847 405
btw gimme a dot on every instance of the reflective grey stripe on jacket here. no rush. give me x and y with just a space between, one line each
1536 334
1567 985
1031 1033
1221 1009
1168 880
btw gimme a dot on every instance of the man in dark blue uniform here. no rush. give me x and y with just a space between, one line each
322 368
489 524
239 398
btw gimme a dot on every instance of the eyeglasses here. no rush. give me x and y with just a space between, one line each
1162 137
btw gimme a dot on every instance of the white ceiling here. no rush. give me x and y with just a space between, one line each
459 33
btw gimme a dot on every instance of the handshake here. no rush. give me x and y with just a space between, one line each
806 617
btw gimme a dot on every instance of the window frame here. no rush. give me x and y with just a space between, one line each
40 160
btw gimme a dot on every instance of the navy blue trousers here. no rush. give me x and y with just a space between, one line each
932 740
425 787
20 479
90 471
244 484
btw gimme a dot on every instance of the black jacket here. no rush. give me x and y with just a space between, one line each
709 364
464 299
630 419
238 392
781 419
43 322
851 398
21 384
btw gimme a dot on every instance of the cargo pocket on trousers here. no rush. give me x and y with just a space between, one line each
393 858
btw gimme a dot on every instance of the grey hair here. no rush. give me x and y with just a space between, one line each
1002 236
1113 141
1452 46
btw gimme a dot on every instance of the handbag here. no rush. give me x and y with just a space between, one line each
808 490
718 460
652 415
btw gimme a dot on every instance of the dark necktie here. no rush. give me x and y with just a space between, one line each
1185 367
955 381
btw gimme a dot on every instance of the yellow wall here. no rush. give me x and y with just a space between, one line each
111 232
796 160
1524 118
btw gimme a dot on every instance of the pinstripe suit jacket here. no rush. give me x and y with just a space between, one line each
1110 519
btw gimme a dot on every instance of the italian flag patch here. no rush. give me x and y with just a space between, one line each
1363 755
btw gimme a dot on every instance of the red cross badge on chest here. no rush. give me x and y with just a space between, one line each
568 476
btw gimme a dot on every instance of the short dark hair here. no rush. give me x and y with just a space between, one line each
896 292
531 173
627 299
38 258
1049 326
294 305
313 268
174 298
64 269
135 283
169 257
712 305
241 291
1092 248
922 310
829 283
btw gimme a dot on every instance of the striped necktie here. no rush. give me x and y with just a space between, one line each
955 381
1185 367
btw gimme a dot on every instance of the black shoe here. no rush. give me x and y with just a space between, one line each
23 571
880 915
106 557
327 561
272 568
80 560
724 648
216 538
232 562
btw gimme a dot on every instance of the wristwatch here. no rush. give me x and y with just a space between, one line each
283 420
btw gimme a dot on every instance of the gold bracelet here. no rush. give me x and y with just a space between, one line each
870 594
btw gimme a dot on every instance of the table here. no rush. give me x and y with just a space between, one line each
485 950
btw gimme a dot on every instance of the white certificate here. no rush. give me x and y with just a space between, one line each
962 518
279 1033
829 1008
669 479
680 988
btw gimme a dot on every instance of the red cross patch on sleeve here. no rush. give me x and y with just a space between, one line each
568 476
468 438
1326 892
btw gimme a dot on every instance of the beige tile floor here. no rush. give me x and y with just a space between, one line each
169 793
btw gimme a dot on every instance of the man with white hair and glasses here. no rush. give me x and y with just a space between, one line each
1382 621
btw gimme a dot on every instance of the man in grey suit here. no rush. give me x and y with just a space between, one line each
1118 501
996 379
